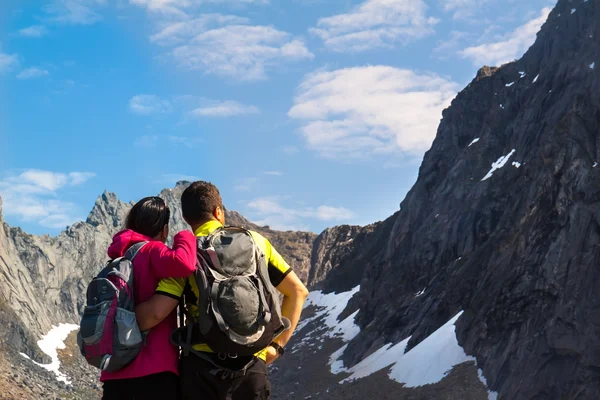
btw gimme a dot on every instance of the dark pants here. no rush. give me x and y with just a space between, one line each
163 386
198 383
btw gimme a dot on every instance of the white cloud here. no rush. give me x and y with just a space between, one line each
187 141
242 52
179 7
171 179
178 32
271 212
147 141
225 109
32 196
290 150
147 104
227 46
358 112
244 185
513 45
152 141
326 213
74 12
32 73
8 62
273 173
462 9
35 31
376 23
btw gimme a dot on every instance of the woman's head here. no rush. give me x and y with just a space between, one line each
150 217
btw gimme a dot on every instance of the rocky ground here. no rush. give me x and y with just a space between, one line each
304 372
21 379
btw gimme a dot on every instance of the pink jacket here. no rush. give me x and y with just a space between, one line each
154 262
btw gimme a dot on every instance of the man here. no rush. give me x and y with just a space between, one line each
211 379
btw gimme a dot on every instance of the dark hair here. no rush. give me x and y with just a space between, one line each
198 202
148 216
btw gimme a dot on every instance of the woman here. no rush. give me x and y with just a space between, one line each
154 373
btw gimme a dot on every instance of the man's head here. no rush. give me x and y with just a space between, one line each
200 203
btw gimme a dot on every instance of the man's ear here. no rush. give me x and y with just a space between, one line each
219 214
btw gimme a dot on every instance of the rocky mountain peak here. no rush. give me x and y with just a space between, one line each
485 72
108 211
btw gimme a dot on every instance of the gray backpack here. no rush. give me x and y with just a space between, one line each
109 337
239 308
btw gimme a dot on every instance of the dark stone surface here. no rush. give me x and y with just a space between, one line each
519 252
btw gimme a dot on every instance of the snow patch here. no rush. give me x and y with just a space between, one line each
380 359
50 343
491 395
502 106
473 142
419 294
573 10
536 78
522 73
498 164
595 165
431 360
427 363
593 65
329 307
516 164
510 84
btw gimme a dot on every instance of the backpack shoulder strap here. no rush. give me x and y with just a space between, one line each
133 250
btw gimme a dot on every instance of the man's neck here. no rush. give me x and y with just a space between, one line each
199 224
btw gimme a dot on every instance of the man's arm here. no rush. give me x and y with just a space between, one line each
152 312
166 297
294 296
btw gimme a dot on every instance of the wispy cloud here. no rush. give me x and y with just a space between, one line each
35 31
450 44
242 52
358 112
270 211
172 179
146 104
376 23
186 141
32 196
32 73
74 12
8 62
462 9
180 8
245 184
511 47
225 109
147 141
153 141
290 150
228 46
273 173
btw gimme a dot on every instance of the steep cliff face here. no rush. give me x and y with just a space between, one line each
504 224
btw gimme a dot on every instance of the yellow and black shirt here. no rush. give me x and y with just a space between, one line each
187 287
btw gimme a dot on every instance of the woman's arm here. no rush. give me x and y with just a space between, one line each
178 262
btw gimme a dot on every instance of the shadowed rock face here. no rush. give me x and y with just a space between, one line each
519 251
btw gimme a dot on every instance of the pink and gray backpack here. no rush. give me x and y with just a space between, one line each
109 337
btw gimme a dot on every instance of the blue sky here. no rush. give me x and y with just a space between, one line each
305 113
